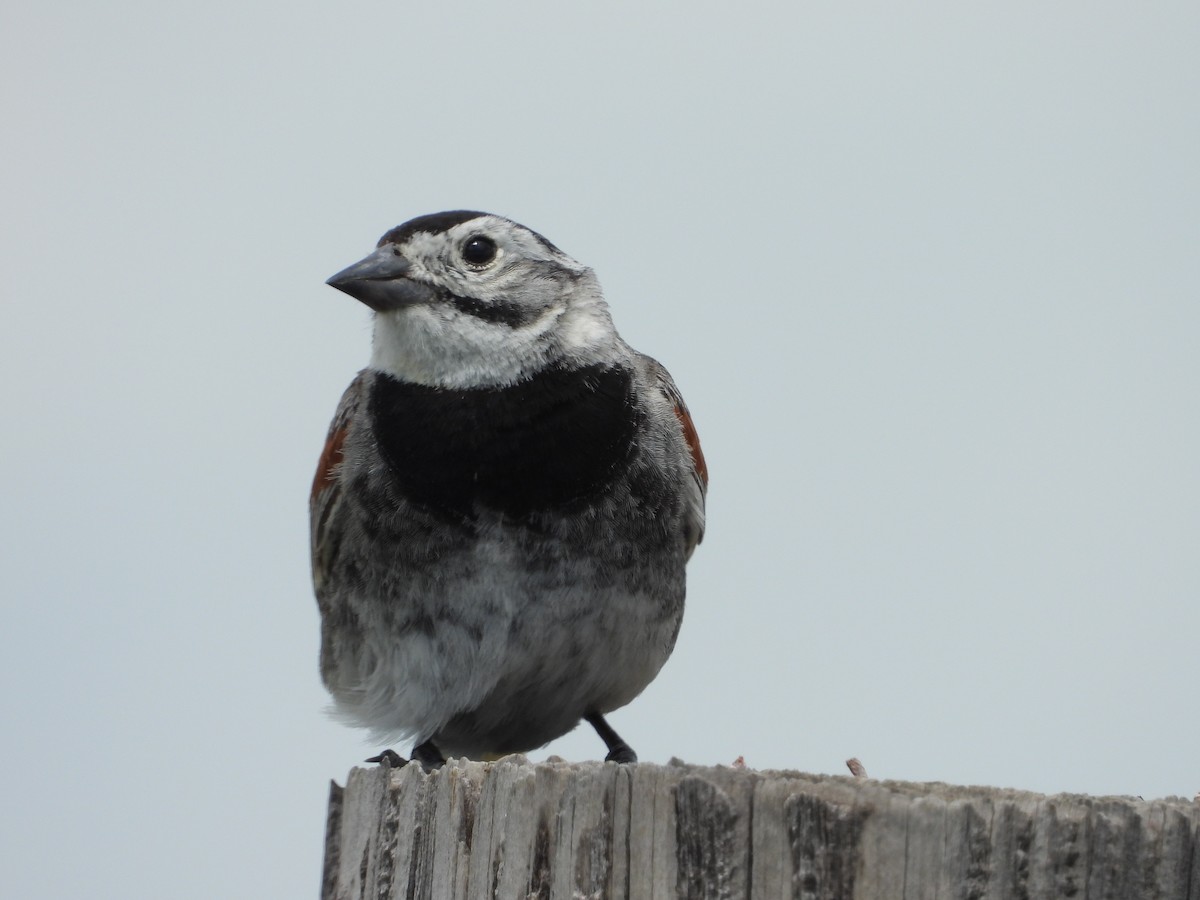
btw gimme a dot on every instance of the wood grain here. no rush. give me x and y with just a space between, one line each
594 831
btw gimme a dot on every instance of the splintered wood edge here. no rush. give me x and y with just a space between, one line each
557 829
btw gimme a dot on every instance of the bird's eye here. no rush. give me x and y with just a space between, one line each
479 250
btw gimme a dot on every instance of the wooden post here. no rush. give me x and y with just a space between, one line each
592 831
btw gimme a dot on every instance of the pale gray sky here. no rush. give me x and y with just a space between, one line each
927 278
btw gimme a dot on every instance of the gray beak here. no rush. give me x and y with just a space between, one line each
381 281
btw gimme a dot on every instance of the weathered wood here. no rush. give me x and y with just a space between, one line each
594 831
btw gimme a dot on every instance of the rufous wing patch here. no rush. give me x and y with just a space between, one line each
331 458
693 441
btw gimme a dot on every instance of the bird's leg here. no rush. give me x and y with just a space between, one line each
427 755
618 750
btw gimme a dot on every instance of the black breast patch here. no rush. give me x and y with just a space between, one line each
555 439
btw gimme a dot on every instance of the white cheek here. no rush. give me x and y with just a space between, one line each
582 331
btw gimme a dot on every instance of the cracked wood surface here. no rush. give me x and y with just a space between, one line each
593 831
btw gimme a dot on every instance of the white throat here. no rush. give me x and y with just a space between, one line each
420 345
439 346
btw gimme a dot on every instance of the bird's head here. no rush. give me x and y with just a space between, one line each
467 299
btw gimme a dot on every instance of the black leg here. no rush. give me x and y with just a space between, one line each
618 750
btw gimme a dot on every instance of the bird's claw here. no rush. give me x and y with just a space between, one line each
390 759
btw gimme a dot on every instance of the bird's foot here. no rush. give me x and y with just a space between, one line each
426 755
429 756
618 750
622 754
389 758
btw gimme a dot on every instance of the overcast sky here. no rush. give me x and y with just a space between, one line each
926 277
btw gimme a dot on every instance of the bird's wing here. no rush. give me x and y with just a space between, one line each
697 486
326 494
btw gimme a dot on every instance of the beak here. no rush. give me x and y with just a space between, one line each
381 281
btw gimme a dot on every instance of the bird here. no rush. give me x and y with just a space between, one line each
505 503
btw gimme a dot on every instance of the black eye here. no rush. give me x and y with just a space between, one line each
479 250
